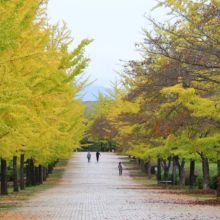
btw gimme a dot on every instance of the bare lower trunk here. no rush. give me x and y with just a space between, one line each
166 174
191 174
181 171
166 167
158 170
205 169
4 189
15 174
174 171
22 172
44 173
149 169
182 177
49 168
37 175
33 180
47 173
101 146
218 183
40 174
142 165
28 173
136 161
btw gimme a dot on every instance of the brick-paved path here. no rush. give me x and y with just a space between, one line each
90 191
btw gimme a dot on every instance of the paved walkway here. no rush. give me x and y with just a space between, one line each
95 191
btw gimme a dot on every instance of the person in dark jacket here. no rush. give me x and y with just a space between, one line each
97 156
120 169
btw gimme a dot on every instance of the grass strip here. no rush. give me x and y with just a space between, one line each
6 206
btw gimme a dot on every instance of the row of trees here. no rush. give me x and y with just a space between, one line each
41 117
168 108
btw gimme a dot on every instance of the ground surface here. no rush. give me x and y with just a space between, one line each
94 190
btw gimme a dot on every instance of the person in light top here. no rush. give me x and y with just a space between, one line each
88 156
120 168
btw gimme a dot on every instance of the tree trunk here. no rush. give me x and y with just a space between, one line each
174 171
28 173
166 174
15 174
37 175
40 175
49 168
142 165
33 181
22 172
158 170
44 174
4 189
145 167
181 171
47 173
191 174
218 179
148 169
166 168
101 146
110 146
205 169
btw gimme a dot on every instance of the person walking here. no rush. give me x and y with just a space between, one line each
97 156
120 169
88 156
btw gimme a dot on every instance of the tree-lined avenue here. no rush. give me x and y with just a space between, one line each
96 191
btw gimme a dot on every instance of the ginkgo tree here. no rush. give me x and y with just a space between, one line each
41 118
176 82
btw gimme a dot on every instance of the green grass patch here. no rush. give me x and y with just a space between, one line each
57 171
128 162
22 195
53 180
138 172
201 196
149 183
131 165
42 186
6 206
141 178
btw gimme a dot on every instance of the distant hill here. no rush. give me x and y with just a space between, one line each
90 90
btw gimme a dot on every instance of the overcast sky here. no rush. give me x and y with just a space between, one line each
114 25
